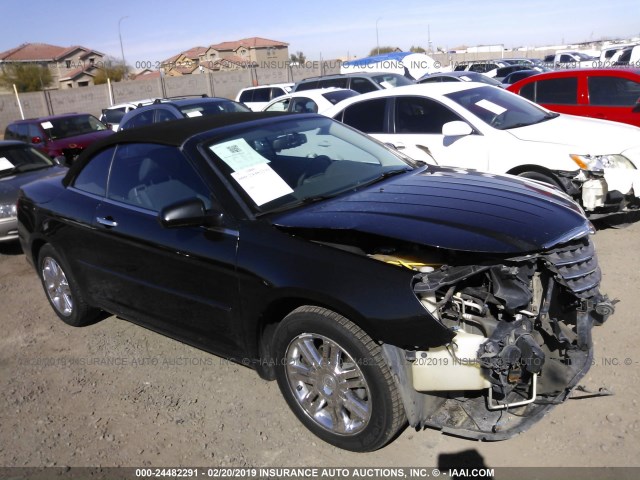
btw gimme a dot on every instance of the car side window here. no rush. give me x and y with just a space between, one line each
262 95
23 133
34 132
163 115
140 120
529 91
153 176
362 85
613 91
367 116
93 177
277 92
280 106
421 115
559 91
340 82
303 105
246 96
310 85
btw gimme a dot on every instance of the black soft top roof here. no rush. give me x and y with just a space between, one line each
173 133
176 132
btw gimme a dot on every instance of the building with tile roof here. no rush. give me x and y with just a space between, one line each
238 54
70 67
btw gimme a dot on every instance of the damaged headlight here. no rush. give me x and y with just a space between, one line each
8 210
600 162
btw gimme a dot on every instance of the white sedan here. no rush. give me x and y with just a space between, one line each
309 101
481 127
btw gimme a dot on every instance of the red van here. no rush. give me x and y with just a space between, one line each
58 135
607 93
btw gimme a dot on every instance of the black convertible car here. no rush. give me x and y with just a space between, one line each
376 290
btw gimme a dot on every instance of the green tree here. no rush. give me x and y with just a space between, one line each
298 57
417 49
375 50
110 68
27 77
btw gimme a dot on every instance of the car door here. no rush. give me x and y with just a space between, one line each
560 94
613 98
181 281
417 123
413 125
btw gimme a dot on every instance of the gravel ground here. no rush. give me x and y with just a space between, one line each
115 394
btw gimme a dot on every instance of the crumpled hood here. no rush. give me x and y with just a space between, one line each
583 135
452 209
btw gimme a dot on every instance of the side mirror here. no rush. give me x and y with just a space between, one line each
636 109
456 129
188 213
36 140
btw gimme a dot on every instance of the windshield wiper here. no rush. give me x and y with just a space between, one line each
385 175
547 116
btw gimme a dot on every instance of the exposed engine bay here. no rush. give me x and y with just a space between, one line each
523 339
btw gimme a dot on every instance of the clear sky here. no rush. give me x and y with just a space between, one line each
155 30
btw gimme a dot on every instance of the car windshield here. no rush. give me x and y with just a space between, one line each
389 80
500 109
71 126
290 162
19 159
211 108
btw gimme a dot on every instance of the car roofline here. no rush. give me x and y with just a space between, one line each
172 133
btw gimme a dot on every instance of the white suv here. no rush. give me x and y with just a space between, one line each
112 116
256 98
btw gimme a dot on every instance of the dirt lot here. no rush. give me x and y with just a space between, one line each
115 394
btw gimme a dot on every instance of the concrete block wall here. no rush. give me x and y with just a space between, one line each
94 98
138 90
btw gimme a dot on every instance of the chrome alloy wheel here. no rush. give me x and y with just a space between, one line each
328 384
57 286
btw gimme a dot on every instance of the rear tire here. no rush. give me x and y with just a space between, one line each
62 290
334 378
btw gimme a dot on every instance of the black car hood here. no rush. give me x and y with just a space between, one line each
453 209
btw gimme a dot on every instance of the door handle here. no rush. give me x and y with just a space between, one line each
107 221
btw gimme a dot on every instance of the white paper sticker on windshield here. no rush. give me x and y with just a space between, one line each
386 84
194 113
262 183
5 164
492 107
238 154
465 78
46 125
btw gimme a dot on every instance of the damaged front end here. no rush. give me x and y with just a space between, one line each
602 192
522 340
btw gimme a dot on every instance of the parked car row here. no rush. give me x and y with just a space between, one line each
58 135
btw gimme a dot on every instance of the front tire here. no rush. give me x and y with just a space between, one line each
334 378
62 290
